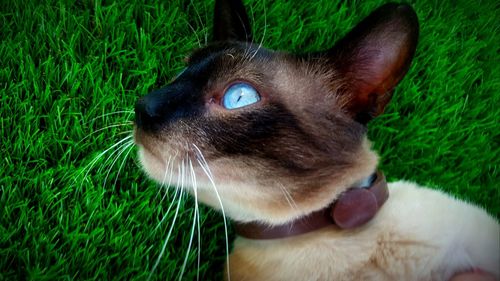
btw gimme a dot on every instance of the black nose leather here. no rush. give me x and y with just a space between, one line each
148 110
161 107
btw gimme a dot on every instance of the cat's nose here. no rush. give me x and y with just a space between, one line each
149 110
161 107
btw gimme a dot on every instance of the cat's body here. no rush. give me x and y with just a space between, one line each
270 137
420 234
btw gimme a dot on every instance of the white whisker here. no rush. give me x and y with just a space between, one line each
129 112
125 147
111 156
162 184
128 132
168 209
246 53
168 236
201 22
288 197
195 188
194 32
130 148
263 34
170 177
105 128
171 202
206 169
92 163
195 220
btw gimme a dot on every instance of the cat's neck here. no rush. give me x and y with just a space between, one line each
250 204
352 209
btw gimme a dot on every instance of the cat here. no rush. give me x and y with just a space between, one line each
275 138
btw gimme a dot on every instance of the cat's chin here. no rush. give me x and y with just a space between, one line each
153 166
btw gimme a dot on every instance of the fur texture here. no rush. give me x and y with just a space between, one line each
419 234
299 147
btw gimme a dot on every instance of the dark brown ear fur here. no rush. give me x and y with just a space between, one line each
374 57
231 22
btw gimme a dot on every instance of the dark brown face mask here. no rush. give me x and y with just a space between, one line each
307 126
353 208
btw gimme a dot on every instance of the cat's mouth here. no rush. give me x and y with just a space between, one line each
151 164
170 164
175 171
151 158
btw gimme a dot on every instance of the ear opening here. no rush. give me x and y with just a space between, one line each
231 21
374 57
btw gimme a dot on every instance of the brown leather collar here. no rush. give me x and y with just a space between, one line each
353 208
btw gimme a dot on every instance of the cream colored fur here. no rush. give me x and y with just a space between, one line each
419 234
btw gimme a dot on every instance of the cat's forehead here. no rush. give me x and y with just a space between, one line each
290 79
234 58
222 50
218 65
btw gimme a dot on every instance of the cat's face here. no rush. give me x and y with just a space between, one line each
280 134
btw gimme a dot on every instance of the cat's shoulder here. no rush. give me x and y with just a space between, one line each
409 197
460 231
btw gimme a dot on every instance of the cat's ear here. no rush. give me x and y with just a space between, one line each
374 57
231 21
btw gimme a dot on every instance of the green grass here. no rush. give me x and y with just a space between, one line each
66 64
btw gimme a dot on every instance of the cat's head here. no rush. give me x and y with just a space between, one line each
280 134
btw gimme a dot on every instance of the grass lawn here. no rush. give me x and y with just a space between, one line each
71 72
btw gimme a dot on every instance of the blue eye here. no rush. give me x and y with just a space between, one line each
240 95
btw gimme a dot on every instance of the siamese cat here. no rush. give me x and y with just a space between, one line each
274 139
